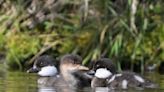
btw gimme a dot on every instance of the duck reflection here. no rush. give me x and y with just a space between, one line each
46 89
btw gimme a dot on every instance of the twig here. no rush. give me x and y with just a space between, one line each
44 49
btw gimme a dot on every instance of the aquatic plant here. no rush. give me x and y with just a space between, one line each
123 30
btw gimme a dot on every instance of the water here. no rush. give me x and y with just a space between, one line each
24 82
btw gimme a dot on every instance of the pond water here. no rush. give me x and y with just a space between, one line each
24 82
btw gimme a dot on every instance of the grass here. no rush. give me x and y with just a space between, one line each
107 28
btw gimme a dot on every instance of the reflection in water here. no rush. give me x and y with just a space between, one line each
54 89
46 89
22 82
102 89
60 88
2 78
161 81
53 84
125 90
17 82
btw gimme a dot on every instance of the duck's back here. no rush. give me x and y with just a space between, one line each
127 79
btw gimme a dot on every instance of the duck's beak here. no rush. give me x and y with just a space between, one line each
91 72
33 70
83 68
88 73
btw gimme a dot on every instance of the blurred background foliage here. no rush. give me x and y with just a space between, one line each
123 30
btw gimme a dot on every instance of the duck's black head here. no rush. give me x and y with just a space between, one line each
40 62
105 63
104 68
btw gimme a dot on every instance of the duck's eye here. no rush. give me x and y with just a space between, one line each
41 63
97 66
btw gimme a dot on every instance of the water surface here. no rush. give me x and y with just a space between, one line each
24 82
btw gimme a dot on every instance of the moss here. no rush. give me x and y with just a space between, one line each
20 46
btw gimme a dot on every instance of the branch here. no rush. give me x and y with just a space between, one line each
44 49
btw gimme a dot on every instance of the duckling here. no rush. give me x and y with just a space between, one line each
101 68
124 80
45 67
105 63
72 71
73 75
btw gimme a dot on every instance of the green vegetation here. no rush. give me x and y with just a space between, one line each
19 47
124 30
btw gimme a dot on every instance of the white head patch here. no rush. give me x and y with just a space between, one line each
48 71
102 73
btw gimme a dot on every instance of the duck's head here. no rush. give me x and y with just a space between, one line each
44 66
73 72
105 63
104 69
100 78
71 63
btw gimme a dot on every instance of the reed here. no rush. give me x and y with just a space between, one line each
131 30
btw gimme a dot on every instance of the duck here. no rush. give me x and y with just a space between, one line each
71 74
99 79
105 63
104 77
45 66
